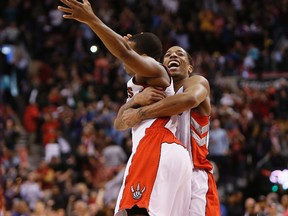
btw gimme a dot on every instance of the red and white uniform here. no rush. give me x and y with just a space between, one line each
158 173
193 132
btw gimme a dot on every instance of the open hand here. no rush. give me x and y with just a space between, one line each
80 11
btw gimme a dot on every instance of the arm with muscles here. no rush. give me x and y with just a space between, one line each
148 96
115 43
196 90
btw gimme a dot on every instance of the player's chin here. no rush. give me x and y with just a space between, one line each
174 71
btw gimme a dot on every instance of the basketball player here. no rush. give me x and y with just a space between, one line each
192 104
158 172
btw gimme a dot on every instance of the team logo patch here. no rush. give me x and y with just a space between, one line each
137 194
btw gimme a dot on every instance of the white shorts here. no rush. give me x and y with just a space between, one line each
205 200
171 194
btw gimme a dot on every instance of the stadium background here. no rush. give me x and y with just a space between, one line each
59 151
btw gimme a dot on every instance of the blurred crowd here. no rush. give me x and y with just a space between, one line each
60 90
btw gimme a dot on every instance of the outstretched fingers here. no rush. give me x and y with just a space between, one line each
65 9
72 7
68 11
86 2
71 3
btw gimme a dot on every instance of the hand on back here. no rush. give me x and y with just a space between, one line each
148 96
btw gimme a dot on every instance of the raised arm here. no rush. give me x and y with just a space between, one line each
115 43
196 93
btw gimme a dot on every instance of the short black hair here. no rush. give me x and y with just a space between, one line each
147 43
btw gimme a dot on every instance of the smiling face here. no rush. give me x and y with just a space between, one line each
177 60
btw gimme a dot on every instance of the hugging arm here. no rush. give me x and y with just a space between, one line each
148 96
196 89
118 123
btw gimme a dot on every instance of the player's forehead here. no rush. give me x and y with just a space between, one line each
174 49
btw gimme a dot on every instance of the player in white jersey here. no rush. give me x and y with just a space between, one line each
158 170
192 103
158 167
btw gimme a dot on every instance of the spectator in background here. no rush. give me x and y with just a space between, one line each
46 174
261 206
88 137
31 120
250 207
41 209
274 204
57 197
52 149
219 148
284 203
50 125
80 207
234 203
20 208
114 156
112 188
11 133
282 98
30 190
10 192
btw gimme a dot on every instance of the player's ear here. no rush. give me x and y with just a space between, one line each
190 69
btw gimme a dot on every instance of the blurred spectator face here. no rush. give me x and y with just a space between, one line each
284 201
80 208
262 202
88 129
250 206
216 124
21 207
39 208
60 212
272 209
32 176
81 189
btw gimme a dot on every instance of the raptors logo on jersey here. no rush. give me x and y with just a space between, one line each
137 193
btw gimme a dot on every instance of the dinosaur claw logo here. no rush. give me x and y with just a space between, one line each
137 194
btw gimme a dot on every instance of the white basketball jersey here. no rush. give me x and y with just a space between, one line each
193 132
183 128
139 130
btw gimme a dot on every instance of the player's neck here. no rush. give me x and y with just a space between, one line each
178 85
